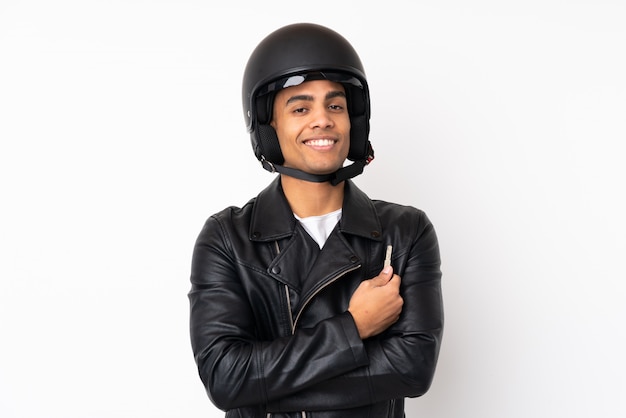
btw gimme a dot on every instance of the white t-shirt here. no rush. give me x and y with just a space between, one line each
320 227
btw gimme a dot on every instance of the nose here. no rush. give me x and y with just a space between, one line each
321 117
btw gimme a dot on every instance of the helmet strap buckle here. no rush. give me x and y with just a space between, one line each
267 165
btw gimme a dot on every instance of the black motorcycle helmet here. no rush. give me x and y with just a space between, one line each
290 56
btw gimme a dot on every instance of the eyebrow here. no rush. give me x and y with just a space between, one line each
306 97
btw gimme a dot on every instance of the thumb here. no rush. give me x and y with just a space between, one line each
385 275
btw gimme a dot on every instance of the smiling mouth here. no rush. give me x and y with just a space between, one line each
320 142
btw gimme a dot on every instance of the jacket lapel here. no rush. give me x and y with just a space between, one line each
335 259
298 264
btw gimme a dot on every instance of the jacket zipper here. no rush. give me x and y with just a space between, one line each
277 247
306 302
289 308
294 322
293 327
302 413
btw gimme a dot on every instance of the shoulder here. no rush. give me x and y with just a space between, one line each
396 211
399 219
364 214
229 219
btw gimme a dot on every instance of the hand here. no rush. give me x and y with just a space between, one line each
376 303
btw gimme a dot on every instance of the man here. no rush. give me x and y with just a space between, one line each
293 311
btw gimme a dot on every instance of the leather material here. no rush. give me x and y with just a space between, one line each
269 324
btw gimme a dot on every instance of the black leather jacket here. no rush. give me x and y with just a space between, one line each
269 324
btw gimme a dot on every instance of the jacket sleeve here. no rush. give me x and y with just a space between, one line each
402 360
236 367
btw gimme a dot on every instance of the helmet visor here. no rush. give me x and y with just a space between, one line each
296 80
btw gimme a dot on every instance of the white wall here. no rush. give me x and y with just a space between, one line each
121 131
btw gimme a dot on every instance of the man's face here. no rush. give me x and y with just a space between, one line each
313 126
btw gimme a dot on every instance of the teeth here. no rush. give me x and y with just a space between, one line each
320 142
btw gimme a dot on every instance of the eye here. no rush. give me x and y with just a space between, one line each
337 103
298 108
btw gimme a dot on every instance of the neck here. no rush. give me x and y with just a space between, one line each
312 199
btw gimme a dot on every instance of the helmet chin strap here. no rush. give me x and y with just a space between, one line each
335 178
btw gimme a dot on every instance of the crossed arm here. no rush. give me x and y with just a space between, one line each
384 346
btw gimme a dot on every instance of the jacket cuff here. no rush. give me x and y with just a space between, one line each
354 340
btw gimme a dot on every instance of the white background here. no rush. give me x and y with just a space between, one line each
121 130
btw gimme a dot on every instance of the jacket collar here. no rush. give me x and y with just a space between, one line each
272 217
